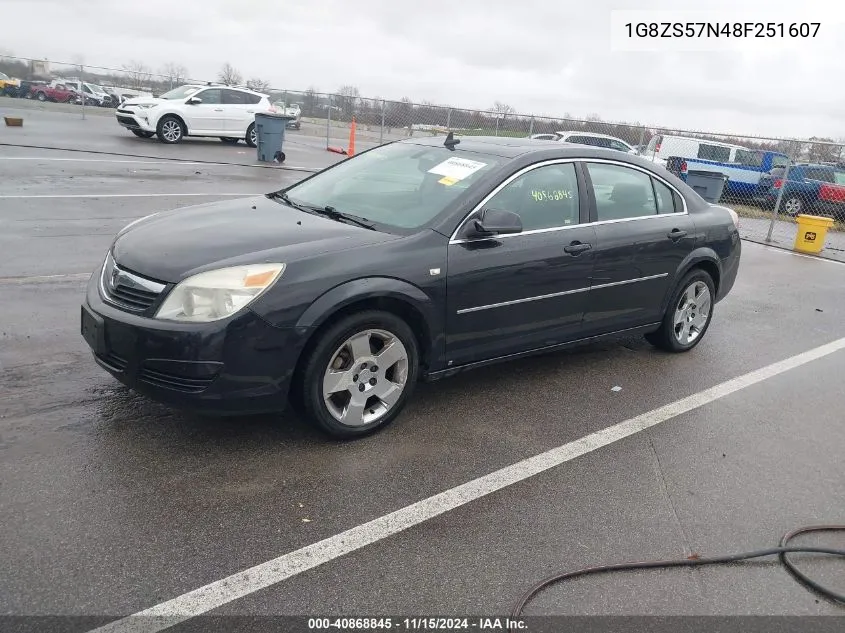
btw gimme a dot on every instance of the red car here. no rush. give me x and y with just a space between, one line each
54 92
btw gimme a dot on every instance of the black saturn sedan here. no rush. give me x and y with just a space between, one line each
414 260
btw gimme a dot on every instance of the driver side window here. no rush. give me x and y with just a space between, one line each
212 96
544 198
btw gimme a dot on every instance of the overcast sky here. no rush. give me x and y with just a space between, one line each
540 56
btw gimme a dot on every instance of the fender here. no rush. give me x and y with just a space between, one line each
698 255
375 288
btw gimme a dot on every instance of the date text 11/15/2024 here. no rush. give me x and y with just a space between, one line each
416 624
767 30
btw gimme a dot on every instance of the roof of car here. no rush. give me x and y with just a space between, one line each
593 134
512 147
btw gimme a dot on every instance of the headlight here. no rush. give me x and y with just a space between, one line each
145 106
217 294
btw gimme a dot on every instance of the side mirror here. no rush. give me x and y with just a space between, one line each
495 222
194 101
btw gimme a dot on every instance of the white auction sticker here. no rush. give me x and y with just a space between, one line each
457 168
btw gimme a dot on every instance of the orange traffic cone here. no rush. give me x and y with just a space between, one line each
351 150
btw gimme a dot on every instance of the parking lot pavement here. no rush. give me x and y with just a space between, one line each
60 127
112 504
783 236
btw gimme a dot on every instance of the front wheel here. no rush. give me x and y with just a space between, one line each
688 315
360 374
251 136
170 130
41 97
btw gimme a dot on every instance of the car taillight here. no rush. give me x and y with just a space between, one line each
684 167
778 182
832 193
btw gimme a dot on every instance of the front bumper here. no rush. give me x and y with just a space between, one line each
234 366
135 120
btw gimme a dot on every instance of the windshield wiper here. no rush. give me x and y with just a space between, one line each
329 212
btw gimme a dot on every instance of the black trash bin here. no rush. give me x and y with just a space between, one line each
708 184
270 134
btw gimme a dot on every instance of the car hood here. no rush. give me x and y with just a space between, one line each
139 100
174 245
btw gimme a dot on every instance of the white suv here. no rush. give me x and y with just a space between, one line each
196 110
596 140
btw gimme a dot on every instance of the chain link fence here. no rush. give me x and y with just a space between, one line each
769 181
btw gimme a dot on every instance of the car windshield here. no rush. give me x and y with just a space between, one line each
400 185
181 92
95 88
839 177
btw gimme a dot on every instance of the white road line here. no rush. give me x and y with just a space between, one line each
131 195
104 160
243 583
37 279
786 251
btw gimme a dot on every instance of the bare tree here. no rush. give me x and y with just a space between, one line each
348 99
503 109
823 150
229 75
137 73
310 101
259 85
175 73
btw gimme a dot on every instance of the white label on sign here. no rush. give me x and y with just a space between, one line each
457 168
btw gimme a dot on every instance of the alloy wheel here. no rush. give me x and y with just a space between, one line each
366 376
692 312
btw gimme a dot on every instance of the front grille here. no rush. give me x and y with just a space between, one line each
124 111
127 120
166 380
128 290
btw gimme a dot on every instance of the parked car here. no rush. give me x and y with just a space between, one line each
662 146
26 90
293 110
596 140
743 174
415 259
196 110
94 95
8 86
810 188
55 91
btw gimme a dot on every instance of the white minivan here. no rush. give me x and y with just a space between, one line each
662 146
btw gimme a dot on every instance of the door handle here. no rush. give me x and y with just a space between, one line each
576 248
218 109
676 234
250 111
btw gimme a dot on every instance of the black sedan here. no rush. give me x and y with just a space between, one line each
413 260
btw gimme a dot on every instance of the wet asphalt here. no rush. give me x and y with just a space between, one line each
111 504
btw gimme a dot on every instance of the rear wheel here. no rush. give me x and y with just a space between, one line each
251 136
229 140
142 133
688 315
360 374
170 130
793 205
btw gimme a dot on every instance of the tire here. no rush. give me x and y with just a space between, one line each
229 141
41 97
251 137
170 129
793 205
361 400
142 134
685 316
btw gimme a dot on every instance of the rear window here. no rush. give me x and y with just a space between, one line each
749 158
817 173
780 161
714 153
839 177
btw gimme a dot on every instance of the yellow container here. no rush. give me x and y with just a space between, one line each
812 230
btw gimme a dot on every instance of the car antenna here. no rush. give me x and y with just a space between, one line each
451 141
